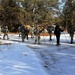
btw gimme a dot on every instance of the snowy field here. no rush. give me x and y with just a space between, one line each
18 58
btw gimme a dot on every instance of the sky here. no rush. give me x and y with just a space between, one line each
62 4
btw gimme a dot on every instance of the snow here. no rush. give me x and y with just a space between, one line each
26 58
17 59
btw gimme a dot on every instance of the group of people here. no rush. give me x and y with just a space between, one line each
35 33
23 32
57 31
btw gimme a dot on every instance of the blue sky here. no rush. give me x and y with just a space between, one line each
62 4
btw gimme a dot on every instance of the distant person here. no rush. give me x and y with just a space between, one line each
5 31
50 29
19 30
57 33
71 32
37 32
22 32
26 32
32 31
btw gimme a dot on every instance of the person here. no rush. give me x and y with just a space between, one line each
19 30
5 31
57 32
26 32
37 32
22 29
71 32
32 31
50 29
0 30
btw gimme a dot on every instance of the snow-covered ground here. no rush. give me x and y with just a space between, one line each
18 58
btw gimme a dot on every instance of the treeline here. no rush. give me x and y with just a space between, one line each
16 12
43 12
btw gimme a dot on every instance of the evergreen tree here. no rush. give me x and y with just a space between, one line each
69 14
40 11
12 15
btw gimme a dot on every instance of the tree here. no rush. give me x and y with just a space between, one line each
41 11
15 12
12 15
69 14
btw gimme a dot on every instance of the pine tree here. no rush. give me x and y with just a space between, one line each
12 15
69 10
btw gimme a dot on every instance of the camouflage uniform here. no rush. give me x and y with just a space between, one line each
32 31
26 32
5 31
19 30
37 32
50 29
71 32
22 32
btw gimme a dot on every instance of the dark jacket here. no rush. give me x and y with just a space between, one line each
58 30
26 31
